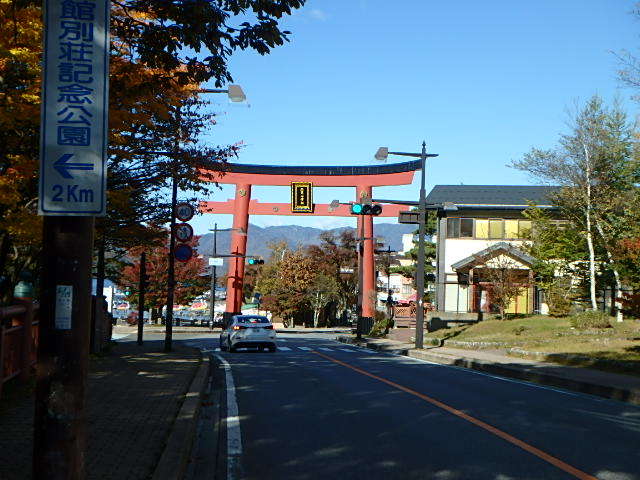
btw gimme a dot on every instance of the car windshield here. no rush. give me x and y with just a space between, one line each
252 320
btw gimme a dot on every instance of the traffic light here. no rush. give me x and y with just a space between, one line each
255 261
366 209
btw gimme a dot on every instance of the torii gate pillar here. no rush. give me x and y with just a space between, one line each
235 275
366 257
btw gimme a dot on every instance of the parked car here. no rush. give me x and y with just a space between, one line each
248 331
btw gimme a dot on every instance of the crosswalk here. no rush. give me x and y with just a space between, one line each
300 349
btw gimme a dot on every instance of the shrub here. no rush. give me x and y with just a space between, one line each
381 325
589 319
559 299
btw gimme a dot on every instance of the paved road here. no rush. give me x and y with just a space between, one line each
318 409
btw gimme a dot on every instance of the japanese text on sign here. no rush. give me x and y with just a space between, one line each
72 178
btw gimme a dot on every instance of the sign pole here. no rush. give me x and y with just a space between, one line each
72 191
141 290
168 324
60 436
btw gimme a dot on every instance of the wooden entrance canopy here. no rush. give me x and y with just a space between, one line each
363 178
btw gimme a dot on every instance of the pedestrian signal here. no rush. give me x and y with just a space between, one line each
366 209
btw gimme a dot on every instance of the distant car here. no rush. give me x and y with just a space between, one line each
248 331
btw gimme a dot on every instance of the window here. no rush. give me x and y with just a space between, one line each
466 227
524 228
496 227
459 227
482 228
453 227
511 229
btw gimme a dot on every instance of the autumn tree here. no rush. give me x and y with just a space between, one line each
154 107
506 282
190 281
336 254
285 282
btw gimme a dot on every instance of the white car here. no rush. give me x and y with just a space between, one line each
248 331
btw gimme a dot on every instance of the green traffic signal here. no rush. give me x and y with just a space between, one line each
356 208
255 261
366 209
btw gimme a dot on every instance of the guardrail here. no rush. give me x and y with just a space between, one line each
19 335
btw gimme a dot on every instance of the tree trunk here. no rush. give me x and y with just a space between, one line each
592 255
616 294
592 263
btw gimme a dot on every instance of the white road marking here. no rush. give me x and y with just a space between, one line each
325 349
504 379
347 350
118 336
305 348
286 349
216 349
232 421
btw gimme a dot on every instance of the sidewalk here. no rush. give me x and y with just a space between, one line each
134 395
625 388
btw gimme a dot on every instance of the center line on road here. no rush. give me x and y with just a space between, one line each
490 428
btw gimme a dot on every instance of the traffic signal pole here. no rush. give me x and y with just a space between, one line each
141 290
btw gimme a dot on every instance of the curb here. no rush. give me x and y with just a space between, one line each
177 450
521 373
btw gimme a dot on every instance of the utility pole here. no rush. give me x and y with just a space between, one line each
171 271
142 284
213 275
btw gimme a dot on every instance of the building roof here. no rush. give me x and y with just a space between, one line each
492 251
492 195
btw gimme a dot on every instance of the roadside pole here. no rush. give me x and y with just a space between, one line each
141 288
213 276
72 191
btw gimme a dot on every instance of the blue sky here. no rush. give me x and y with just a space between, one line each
481 82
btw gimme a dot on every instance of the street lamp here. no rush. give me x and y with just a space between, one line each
382 154
234 92
235 95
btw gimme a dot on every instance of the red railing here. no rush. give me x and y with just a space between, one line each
19 334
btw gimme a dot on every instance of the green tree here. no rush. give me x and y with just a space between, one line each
409 271
322 290
595 165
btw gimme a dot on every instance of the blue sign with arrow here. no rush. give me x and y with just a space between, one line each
75 103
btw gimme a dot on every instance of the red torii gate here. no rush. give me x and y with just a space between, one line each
363 178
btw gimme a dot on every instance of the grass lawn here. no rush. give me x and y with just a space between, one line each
551 339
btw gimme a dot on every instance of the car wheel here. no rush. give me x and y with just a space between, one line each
272 349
